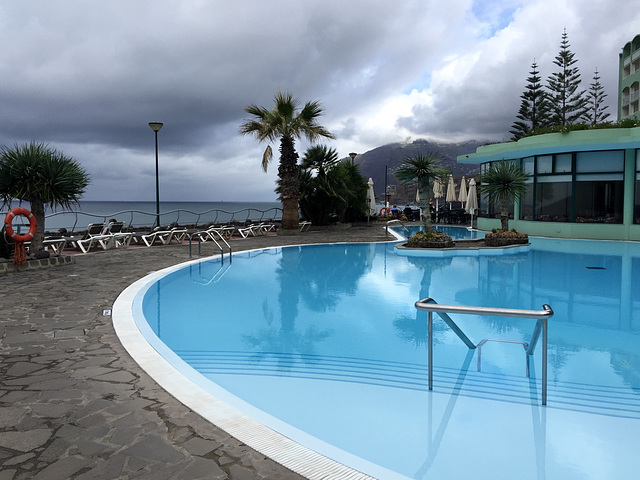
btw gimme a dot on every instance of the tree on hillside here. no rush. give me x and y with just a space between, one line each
422 169
596 111
503 183
532 108
567 104
286 123
40 175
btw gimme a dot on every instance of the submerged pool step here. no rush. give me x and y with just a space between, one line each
617 401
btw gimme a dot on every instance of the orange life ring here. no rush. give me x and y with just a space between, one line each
385 209
9 229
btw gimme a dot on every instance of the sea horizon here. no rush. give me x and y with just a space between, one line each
143 213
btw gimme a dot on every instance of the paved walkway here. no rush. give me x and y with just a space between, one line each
74 405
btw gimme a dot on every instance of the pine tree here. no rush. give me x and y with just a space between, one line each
596 112
567 104
532 108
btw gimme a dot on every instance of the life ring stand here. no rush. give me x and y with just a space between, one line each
8 220
384 209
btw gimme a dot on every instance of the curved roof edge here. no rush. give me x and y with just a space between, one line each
576 141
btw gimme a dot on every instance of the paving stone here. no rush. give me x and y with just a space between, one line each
200 446
18 460
23 368
154 447
62 469
24 441
51 410
108 469
7 474
200 468
11 416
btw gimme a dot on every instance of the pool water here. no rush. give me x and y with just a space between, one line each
326 339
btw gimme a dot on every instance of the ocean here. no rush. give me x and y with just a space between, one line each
143 214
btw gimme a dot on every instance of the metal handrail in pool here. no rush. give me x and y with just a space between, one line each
430 305
395 220
211 236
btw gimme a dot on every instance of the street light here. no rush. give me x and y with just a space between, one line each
353 156
156 126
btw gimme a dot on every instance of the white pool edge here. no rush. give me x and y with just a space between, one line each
283 450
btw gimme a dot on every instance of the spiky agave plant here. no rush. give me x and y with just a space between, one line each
503 183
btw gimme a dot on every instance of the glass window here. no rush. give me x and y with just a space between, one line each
553 199
599 201
527 165
526 203
563 163
607 161
544 164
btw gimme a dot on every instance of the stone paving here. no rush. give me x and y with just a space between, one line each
74 405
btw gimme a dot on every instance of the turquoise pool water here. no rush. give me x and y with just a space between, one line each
326 338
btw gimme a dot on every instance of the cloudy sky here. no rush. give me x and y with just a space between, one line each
87 77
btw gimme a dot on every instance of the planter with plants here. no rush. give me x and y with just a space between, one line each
500 238
429 239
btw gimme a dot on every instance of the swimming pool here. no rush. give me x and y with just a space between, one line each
324 344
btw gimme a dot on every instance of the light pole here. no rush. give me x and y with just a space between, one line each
353 156
156 126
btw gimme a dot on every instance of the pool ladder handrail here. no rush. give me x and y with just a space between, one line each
395 220
212 237
430 305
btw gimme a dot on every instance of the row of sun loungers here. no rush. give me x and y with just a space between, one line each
99 236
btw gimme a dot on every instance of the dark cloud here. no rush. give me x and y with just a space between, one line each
87 77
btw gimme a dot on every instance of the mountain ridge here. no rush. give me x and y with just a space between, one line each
374 163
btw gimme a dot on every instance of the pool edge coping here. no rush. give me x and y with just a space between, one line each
277 446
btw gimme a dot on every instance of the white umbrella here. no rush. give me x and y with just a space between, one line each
472 200
438 192
451 191
462 196
371 199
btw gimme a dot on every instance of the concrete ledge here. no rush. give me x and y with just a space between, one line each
9 267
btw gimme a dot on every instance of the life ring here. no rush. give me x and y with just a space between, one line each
384 209
9 229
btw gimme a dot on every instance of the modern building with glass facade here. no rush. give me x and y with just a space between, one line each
583 184
629 81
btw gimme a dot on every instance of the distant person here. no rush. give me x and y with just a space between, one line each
105 230
395 213
408 213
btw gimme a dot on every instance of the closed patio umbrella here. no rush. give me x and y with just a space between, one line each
472 200
438 193
462 196
451 191
371 200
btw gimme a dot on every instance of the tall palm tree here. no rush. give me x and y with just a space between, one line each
503 183
287 123
35 173
423 169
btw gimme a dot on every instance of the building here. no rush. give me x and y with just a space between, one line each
583 184
629 81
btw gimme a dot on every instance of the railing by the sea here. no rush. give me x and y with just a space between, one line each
74 221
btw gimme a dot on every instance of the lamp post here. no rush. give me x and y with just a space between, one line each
353 156
156 126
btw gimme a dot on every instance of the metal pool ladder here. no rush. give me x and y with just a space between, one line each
430 305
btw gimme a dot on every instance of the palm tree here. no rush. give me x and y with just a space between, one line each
503 183
287 123
40 175
423 169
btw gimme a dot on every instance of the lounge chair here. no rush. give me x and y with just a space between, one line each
164 236
304 225
121 239
56 244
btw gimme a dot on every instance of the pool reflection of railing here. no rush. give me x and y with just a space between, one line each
430 305
77 220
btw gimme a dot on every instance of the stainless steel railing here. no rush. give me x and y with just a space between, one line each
430 305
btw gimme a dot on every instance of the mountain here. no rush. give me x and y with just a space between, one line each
374 162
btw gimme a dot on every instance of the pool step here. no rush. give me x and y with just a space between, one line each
599 399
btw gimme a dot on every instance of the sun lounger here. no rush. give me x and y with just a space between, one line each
304 226
103 241
55 244
164 236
